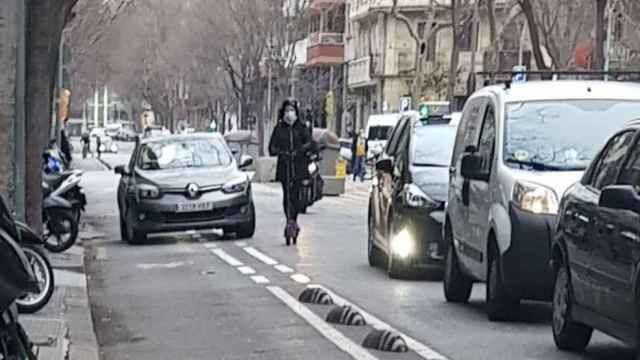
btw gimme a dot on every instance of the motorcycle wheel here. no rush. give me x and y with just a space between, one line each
34 302
61 230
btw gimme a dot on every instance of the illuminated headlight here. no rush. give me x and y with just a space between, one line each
147 191
534 198
402 244
416 198
235 186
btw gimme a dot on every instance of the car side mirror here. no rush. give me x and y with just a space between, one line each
121 170
471 167
385 165
245 161
621 197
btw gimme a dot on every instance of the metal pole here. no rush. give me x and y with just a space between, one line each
105 109
523 34
96 106
474 44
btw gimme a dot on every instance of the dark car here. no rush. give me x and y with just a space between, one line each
407 198
184 182
596 251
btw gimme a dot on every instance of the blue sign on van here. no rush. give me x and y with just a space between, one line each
519 73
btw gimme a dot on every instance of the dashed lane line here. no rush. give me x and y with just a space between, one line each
342 342
210 245
260 256
241 243
259 279
246 270
226 257
283 268
300 278
421 349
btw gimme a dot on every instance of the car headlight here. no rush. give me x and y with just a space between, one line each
312 168
235 186
147 191
535 198
416 198
402 244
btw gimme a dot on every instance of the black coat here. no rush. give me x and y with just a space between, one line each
286 139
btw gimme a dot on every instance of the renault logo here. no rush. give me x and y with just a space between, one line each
193 190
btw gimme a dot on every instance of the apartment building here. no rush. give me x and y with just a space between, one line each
381 54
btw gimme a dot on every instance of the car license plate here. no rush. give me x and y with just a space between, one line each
195 206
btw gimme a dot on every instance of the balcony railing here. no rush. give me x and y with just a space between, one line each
326 38
359 71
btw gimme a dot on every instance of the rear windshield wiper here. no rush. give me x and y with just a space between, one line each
535 165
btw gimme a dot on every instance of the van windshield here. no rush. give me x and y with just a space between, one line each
561 135
379 132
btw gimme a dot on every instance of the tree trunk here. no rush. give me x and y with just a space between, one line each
453 65
527 9
598 47
45 23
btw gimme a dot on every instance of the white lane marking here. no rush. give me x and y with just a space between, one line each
421 349
260 256
342 342
241 243
226 257
300 278
246 270
170 265
283 268
259 279
210 245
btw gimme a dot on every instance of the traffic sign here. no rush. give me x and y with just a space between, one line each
519 73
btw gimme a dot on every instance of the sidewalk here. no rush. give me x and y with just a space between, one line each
64 328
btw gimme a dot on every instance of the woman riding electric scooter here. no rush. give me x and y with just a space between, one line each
290 142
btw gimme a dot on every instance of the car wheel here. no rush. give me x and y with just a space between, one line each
123 229
500 305
567 334
248 229
457 286
372 249
134 236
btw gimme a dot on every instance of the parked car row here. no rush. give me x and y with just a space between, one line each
528 200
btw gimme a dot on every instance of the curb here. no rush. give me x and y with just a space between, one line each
83 344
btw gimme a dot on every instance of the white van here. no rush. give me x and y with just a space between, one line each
518 149
378 129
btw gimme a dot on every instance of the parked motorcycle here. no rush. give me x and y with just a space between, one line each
60 220
67 185
16 280
33 247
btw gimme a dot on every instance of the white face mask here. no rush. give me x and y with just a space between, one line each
290 117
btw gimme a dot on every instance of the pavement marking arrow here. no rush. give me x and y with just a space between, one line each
260 256
226 257
342 342
421 349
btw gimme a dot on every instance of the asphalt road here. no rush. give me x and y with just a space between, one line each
197 296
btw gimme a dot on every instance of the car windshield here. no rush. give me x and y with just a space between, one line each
184 153
561 135
379 132
433 145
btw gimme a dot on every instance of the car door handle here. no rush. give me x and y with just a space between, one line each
630 236
452 170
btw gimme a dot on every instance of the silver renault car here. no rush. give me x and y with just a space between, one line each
519 147
184 182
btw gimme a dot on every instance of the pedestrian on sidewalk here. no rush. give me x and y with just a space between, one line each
98 146
290 140
86 144
359 149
